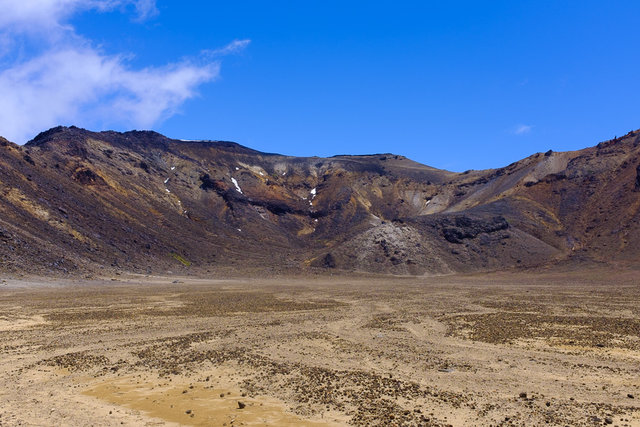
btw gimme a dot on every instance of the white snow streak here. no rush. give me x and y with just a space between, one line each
237 186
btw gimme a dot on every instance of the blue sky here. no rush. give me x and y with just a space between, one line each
455 85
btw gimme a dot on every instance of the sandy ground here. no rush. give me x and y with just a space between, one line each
499 349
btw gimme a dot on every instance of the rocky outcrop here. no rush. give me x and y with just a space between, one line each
459 228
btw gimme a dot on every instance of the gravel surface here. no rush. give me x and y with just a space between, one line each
498 349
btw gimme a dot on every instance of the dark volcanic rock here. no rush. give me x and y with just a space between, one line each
207 183
329 261
140 201
5 235
455 230
86 176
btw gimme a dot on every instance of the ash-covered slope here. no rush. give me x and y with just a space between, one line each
74 200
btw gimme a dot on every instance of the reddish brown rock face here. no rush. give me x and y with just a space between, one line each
75 200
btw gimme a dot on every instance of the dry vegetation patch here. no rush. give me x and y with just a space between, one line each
392 352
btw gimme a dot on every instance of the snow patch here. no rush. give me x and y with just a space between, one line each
166 180
237 168
239 229
238 189
173 168
167 190
313 193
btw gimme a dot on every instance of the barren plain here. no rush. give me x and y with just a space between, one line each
512 348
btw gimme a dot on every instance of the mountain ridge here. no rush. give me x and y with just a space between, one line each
80 201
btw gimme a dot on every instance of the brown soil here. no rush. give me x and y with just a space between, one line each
554 348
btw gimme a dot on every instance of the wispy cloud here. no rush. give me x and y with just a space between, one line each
522 129
235 46
66 80
82 86
44 16
146 9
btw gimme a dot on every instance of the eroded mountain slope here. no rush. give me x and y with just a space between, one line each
74 200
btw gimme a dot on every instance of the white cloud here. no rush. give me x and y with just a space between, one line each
146 9
82 86
235 46
65 80
522 129
44 16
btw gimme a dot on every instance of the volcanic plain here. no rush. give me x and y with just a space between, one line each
551 347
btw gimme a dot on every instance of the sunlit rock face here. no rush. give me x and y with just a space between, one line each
76 201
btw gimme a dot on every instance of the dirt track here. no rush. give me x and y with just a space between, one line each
501 349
